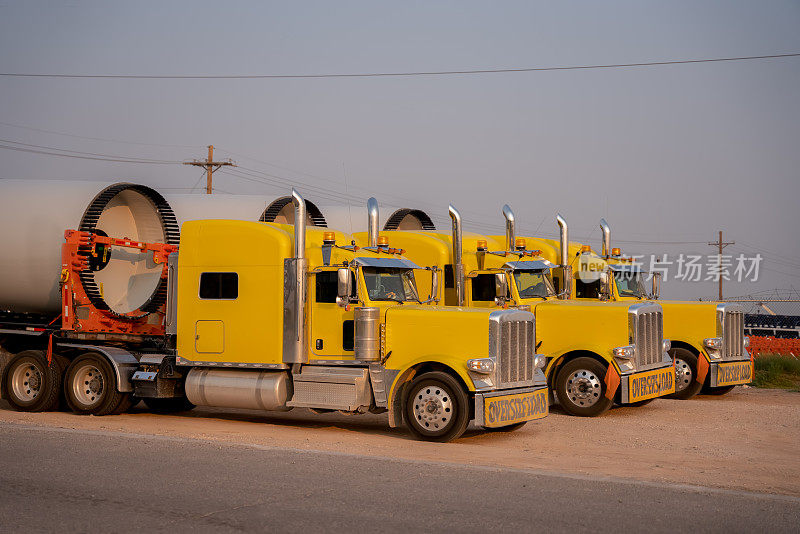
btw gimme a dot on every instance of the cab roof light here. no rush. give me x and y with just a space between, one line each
329 238
616 251
519 243
482 246
383 241
585 249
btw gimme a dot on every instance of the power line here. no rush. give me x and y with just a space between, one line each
43 147
394 74
119 160
12 125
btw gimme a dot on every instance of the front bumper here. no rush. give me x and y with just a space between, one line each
730 372
650 384
509 406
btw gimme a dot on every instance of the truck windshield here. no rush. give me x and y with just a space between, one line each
532 284
390 284
630 284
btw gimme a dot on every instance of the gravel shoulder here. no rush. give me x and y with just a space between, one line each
747 440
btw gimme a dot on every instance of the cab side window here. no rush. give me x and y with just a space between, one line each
327 286
587 290
483 287
219 286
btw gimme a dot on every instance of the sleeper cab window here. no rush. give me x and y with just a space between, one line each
219 286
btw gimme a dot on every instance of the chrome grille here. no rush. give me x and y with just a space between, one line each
648 333
512 342
732 335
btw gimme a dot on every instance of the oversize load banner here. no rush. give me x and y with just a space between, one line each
651 384
509 409
734 373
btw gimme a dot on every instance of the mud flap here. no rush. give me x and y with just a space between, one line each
612 381
702 367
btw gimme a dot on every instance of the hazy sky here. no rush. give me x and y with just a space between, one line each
665 154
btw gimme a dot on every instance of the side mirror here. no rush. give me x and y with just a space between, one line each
501 286
344 286
656 286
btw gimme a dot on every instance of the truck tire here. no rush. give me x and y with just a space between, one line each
686 384
437 407
581 389
30 383
90 385
177 404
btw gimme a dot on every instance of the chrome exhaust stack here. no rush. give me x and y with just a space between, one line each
372 222
458 266
295 343
566 269
510 232
606 229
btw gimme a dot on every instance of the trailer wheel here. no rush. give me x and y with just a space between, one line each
581 389
172 405
437 407
91 386
686 384
31 384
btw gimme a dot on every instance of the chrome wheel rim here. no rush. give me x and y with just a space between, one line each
433 408
683 375
26 382
583 388
87 384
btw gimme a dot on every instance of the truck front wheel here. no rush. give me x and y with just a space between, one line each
581 388
90 386
437 407
31 384
686 384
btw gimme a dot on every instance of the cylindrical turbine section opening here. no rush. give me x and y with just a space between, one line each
281 211
409 219
129 281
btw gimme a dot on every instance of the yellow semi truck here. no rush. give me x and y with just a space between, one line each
272 316
597 353
708 342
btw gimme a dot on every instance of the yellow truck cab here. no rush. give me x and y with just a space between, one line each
708 344
596 353
277 316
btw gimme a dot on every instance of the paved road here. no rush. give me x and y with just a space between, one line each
79 480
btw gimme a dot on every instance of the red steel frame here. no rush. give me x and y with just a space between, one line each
79 314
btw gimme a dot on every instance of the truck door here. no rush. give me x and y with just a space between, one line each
332 326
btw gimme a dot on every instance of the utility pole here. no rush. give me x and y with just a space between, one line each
210 166
721 244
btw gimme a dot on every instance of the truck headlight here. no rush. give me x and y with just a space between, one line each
627 352
539 360
746 341
713 342
666 345
481 365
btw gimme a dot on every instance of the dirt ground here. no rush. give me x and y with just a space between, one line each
747 440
